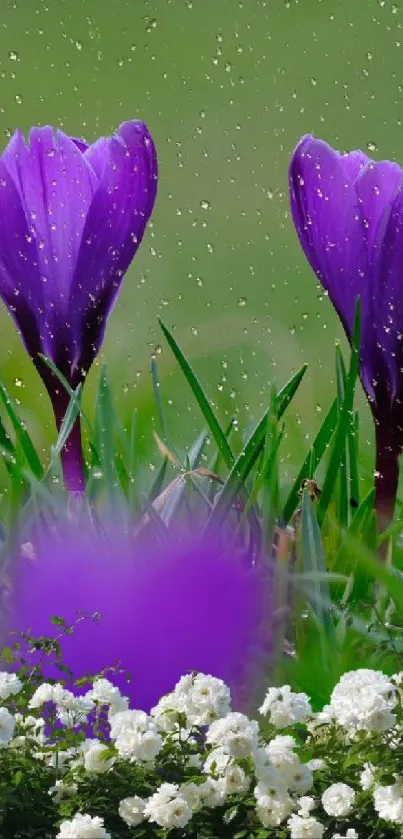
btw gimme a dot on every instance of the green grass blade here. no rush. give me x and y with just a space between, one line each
104 428
249 454
176 495
201 398
312 460
342 424
72 412
312 554
353 460
343 483
22 436
287 393
63 381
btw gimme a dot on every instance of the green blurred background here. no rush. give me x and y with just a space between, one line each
227 88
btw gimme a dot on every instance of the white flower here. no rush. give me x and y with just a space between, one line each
202 699
272 810
191 794
207 699
167 807
83 826
316 763
233 777
271 787
338 799
282 756
131 810
301 780
363 700
212 792
7 725
285 707
235 733
103 692
236 780
44 693
71 710
168 710
388 802
367 776
10 685
297 776
217 761
94 756
305 828
306 803
136 736
139 746
62 759
351 834
60 791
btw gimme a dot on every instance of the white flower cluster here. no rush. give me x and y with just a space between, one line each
222 753
199 699
364 700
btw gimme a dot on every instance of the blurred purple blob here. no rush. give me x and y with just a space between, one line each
164 610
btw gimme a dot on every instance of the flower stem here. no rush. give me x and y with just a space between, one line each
71 454
388 450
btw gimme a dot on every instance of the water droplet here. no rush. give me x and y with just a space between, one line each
151 24
78 45
18 99
13 56
205 205
372 146
18 382
242 301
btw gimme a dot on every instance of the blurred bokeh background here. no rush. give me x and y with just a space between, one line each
227 88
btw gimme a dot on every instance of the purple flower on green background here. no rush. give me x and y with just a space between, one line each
165 609
72 218
348 213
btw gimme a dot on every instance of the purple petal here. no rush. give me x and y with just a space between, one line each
376 187
20 284
127 167
56 186
326 215
353 163
165 611
387 292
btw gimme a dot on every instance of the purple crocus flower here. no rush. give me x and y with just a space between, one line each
72 218
165 610
348 213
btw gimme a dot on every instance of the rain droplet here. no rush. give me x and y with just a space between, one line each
13 56
151 24
242 301
18 382
205 205
78 45
372 146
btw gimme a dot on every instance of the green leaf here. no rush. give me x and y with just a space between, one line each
343 422
22 436
312 460
312 554
287 393
104 431
72 412
201 398
249 454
